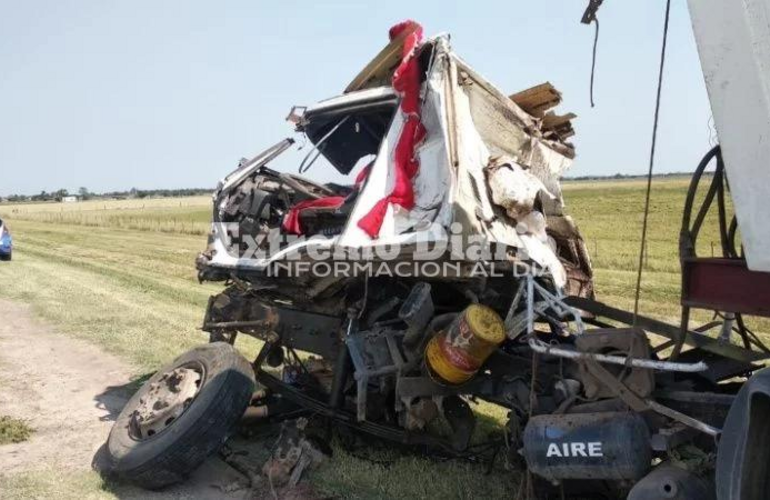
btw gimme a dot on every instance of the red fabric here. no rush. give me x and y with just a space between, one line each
291 222
406 81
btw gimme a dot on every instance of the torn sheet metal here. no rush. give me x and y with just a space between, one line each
486 163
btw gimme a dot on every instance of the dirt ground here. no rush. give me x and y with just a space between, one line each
70 393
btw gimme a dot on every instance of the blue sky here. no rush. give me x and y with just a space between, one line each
149 94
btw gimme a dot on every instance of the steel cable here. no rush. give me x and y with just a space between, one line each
652 164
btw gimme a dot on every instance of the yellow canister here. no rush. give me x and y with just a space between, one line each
454 355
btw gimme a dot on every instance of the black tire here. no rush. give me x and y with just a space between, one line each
171 455
6 257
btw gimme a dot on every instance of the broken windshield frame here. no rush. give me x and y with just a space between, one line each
317 148
347 128
263 158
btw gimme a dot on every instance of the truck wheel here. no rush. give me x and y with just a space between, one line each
181 415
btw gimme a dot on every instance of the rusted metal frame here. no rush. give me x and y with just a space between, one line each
264 352
692 338
297 361
411 387
640 404
720 367
755 340
685 419
363 374
634 401
668 439
662 347
707 326
343 367
744 333
713 398
217 332
349 420
504 365
499 371
207 314
598 323
307 331
651 364
236 325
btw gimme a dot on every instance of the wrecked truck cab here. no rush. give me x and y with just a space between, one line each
467 161
255 203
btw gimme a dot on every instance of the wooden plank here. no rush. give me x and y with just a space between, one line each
538 99
554 121
381 67
561 125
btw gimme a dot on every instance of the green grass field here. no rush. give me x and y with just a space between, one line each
190 215
121 274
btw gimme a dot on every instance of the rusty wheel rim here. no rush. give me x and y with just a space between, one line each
167 399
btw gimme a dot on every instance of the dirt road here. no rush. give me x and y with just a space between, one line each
70 392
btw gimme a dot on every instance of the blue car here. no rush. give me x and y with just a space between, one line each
6 242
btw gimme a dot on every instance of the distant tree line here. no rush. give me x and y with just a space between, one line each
84 193
157 193
629 176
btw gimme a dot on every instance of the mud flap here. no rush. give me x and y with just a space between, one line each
743 460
